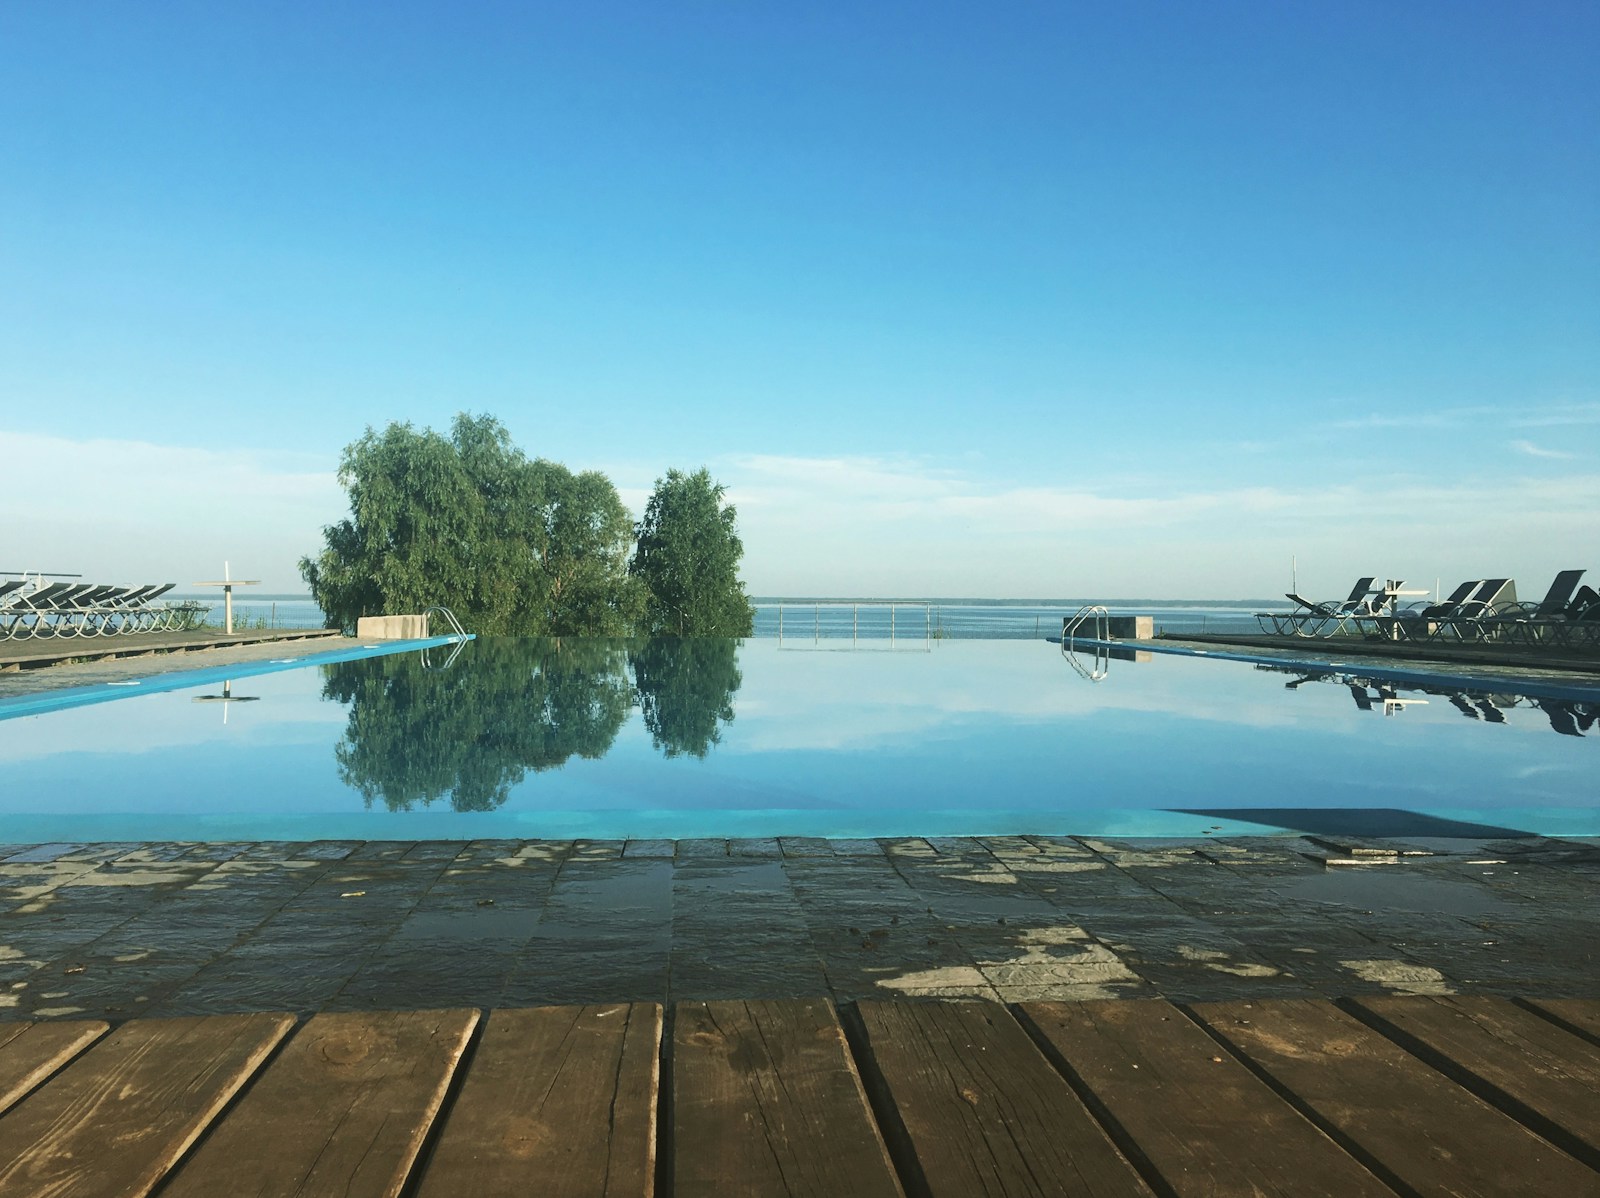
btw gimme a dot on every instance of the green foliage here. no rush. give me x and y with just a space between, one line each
685 690
512 545
688 560
466 735
415 735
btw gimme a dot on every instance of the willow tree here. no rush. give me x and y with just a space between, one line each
688 560
512 545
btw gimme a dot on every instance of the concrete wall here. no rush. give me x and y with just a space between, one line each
392 628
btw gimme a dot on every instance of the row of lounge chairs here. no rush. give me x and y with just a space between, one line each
1484 610
32 608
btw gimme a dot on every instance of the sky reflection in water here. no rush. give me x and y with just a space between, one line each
714 738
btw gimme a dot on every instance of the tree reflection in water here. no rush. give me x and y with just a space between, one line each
685 689
417 735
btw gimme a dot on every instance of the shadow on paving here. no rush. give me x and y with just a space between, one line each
1377 822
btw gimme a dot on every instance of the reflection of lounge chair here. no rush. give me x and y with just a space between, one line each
1560 715
1310 617
1491 710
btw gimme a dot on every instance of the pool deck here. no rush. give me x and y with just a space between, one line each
1491 663
1374 1096
115 931
26 668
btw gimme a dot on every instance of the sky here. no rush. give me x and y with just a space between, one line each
1025 300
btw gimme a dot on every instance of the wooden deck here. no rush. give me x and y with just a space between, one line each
1375 1096
36 652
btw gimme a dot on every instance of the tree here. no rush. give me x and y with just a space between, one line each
688 560
512 545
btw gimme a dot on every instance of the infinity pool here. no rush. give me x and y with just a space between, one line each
668 739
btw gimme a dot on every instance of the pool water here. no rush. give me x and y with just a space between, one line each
671 739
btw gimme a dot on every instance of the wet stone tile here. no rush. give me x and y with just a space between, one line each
172 928
805 846
650 849
748 846
856 848
702 849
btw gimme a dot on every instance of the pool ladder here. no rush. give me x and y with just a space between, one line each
1102 634
458 633
450 619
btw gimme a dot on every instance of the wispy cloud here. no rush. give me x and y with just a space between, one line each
865 525
1535 451
1440 419
1507 415
1578 413
130 511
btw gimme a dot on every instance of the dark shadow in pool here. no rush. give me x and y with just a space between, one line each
1360 821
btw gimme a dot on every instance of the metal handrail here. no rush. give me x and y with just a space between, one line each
1102 623
1102 652
449 618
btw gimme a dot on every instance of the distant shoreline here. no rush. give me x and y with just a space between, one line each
245 596
767 600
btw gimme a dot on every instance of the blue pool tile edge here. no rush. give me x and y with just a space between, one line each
1121 824
1533 688
106 692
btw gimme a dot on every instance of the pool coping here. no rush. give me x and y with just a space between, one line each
1521 684
104 692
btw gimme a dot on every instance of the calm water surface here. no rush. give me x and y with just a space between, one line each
718 738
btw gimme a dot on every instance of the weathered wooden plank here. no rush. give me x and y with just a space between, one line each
1580 1013
31 1052
1402 1117
560 1101
983 1110
343 1109
116 1120
766 1101
1204 1122
1545 1076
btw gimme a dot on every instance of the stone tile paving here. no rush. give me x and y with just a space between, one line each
114 931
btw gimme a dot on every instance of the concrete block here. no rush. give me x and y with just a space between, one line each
392 628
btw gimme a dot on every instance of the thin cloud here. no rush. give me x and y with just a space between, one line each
1581 413
1509 415
136 511
1443 419
1535 451
900 526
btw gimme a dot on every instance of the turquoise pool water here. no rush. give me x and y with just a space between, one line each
718 738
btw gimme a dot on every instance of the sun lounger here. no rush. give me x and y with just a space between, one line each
66 610
1471 620
33 612
1418 623
1310 617
1544 622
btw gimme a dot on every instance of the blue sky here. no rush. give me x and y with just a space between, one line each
962 299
